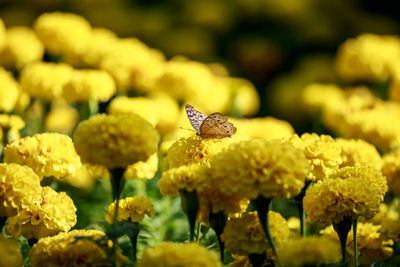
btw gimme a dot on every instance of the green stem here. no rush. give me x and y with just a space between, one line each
2 222
133 236
355 222
262 206
217 223
32 241
342 229
190 205
302 213
87 109
198 232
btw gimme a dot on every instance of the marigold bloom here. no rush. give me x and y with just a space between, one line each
54 212
391 169
82 179
371 243
168 111
322 152
266 127
367 57
10 251
245 235
131 209
317 96
89 84
9 91
246 101
48 154
22 47
358 152
184 178
270 168
143 169
168 254
45 80
115 140
10 124
63 33
309 251
194 150
62 118
133 64
75 248
351 192
19 188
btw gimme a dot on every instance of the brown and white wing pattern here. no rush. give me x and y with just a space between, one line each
195 117
216 126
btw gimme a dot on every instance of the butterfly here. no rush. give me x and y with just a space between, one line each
211 126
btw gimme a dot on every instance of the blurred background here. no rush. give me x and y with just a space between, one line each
280 46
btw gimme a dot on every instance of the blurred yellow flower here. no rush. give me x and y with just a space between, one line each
82 179
9 91
194 150
63 33
259 167
10 125
351 192
183 178
45 80
62 118
168 111
244 235
19 188
115 140
143 169
22 47
168 254
309 251
318 96
371 243
48 154
98 171
391 169
87 84
266 127
358 152
54 212
75 248
321 151
10 251
131 209
245 99
367 57
133 64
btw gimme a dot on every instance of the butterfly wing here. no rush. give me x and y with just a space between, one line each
216 126
195 117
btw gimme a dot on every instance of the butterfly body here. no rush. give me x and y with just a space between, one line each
213 126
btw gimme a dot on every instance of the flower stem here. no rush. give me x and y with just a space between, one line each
190 205
257 260
262 206
342 229
32 241
2 222
355 222
198 232
302 213
217 223
133 236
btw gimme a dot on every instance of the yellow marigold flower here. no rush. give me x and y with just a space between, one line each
309 251
246 101
62 118
19 188
82 179
89 85
45 80
244 235
194 150
391 169
168 111
22 47
143 169
115 140
322 152
63 33
371 243
367 57
48 154
12 123
98 171
270 168
350 192
131 208
267 127
183 178
54 212
212 200
9 91
168 254
358 152
133 64
10 251
319 96
74 248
